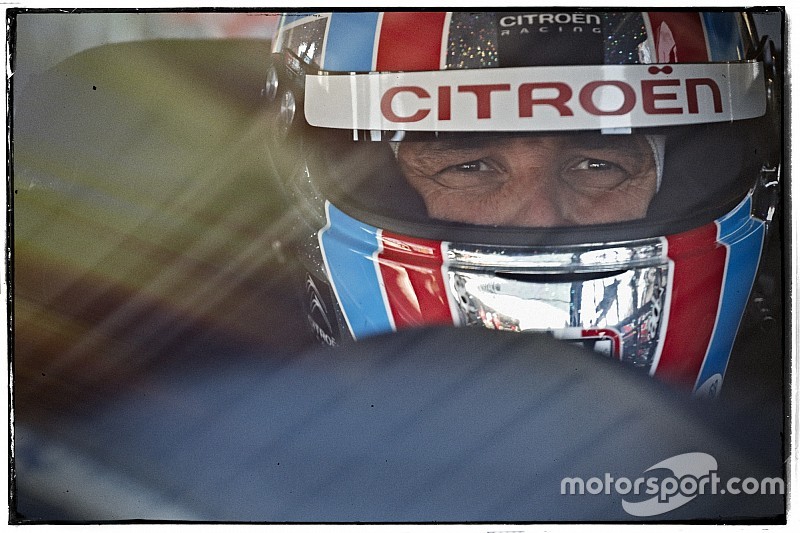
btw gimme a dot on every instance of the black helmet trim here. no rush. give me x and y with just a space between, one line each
522 236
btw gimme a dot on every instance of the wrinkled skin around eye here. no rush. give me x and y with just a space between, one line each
537 181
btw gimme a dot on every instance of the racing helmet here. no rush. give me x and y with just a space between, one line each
604 176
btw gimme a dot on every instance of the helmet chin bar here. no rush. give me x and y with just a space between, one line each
610 299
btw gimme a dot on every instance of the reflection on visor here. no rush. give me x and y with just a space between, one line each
618 313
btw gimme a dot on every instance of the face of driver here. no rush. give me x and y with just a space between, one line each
533 180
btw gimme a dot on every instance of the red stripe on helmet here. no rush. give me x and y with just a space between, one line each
410 41
699 269
678 37
413 280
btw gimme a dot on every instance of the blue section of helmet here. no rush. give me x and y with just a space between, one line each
349 249
724 38
350 42
744 237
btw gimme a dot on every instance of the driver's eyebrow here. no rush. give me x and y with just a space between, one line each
589 142
433 154
457 144
443 151
618 143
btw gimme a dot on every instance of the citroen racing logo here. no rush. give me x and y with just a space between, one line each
550 22
318 317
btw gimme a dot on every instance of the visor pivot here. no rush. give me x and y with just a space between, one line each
286 113
765 52
271 87
767 55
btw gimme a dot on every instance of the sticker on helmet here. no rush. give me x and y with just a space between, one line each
319 312
550 38
538 98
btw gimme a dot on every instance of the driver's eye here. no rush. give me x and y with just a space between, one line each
595 164
472 166
478 173
595 174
